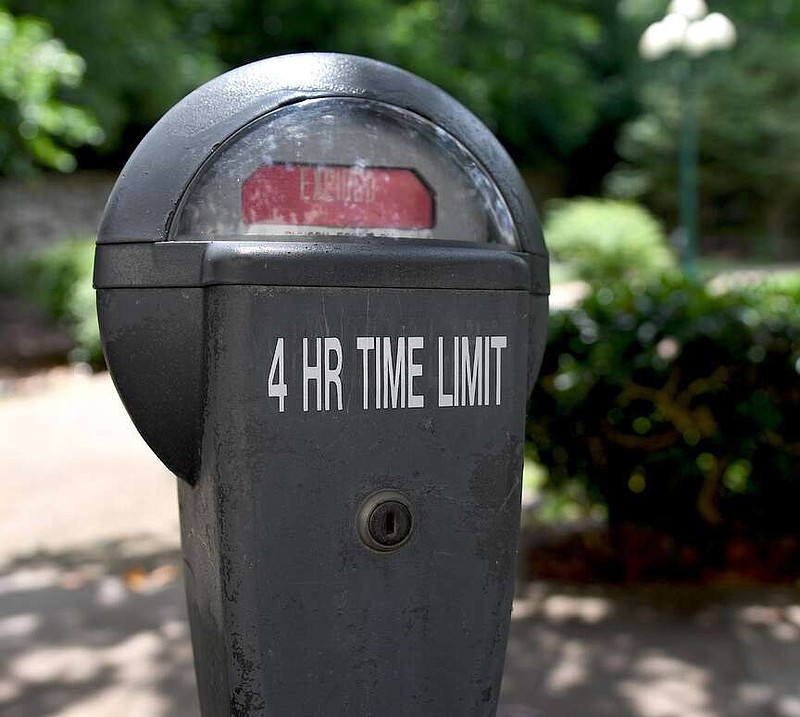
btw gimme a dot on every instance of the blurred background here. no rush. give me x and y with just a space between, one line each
659 570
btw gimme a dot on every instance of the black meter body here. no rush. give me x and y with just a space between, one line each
322 292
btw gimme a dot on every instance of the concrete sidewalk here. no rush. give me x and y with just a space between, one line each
92 615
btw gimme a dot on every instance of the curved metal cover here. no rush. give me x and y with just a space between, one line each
143 204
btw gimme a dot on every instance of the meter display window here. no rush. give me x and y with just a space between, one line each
343 167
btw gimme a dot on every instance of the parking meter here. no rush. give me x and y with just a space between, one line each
322 293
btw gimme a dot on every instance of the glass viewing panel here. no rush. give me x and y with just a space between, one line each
342 167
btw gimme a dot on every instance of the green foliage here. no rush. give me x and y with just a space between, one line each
548 77
677 408
36 127
59 280
604 241
141 57
523 67
559 81
747 105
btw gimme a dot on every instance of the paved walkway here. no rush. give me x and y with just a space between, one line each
92 618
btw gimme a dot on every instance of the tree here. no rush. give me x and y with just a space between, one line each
36 126
748 105
547 76
523 67
141 57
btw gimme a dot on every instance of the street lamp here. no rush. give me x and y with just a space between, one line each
689 28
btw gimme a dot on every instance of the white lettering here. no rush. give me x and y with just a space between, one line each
486 350
394 376
414 370
365 344
312 373
471 372
377 373
391 372
498 344
456 368
445 399
337 184
276 385
333 347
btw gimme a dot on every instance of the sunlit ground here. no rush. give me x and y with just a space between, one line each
92 616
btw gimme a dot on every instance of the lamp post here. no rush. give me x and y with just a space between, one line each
690 29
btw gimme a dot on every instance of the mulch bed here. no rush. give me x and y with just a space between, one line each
639 555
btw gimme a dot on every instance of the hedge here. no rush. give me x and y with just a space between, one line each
605 240
59 279
677 408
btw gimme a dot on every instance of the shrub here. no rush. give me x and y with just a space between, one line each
59 279
604 240
678 409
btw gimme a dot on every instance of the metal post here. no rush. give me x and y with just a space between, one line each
687 172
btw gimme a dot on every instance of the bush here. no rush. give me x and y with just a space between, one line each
678 409
603 240
59 279
36 127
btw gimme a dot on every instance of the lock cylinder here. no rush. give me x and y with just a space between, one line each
385 521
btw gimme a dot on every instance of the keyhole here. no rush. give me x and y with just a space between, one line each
385 521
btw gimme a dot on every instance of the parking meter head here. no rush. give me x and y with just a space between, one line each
322 292
306 149
368 114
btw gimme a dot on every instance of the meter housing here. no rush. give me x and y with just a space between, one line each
322 292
